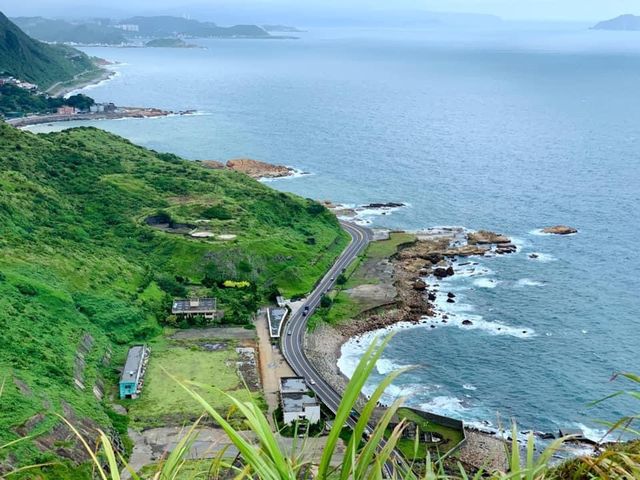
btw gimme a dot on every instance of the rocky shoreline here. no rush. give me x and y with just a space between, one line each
432 255
122 112
415 271
254 168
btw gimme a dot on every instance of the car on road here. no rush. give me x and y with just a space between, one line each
304 314
312 382
306 308
333 278
289 332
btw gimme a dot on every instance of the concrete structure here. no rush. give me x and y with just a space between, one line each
276 318
133 371
297 401
281 301
192 307
66 110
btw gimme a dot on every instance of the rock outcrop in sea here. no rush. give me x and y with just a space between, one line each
560 230
253 168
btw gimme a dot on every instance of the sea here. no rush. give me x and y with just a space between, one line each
510 129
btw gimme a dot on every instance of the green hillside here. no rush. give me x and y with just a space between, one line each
27 59
61 31
168 26
83 275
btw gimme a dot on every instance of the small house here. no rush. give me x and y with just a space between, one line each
297 401
133 371
66 110
193 307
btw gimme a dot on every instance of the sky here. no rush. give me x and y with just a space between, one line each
258 10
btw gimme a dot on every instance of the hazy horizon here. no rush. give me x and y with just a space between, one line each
328 11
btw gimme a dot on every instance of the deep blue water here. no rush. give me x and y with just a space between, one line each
508 130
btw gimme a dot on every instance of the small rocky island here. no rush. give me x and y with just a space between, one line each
560 230
169 43
629 23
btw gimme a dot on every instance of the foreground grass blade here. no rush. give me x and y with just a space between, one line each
349 398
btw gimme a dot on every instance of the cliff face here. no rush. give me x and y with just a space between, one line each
623 22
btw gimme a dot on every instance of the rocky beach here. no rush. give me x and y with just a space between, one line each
404 293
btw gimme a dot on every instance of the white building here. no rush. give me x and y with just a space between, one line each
128 27
297 401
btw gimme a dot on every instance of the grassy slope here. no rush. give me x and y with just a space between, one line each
37 62
77 257
165 402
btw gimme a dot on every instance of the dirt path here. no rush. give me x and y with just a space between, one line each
272 365
152 444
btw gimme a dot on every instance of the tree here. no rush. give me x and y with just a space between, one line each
80 102
325 301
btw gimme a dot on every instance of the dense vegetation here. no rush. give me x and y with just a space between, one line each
168 26
17 102
82 274
366 456
167 43
61 31
27 59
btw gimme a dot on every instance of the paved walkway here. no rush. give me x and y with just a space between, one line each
272 365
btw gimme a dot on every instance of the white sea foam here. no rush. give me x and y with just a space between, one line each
295 173
542 257
485 283
527 282
385 366
444 405
457 313
91 86
539 232
594 434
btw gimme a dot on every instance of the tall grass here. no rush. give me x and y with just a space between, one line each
370 451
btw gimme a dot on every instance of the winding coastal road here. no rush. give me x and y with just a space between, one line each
296 327
292 339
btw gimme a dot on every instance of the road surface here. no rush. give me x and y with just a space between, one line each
296 327
292 339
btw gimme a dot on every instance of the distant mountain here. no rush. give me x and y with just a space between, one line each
61 31
281 29
168 26
27 59
623 22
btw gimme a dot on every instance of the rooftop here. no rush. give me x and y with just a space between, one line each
293 385
133 364
296 402
193 305
276 317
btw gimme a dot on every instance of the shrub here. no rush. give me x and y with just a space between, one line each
26 289
233 284
325 301
171 286
315 208
216 212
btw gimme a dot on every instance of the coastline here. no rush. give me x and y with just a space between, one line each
78 83
417 271
122 112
